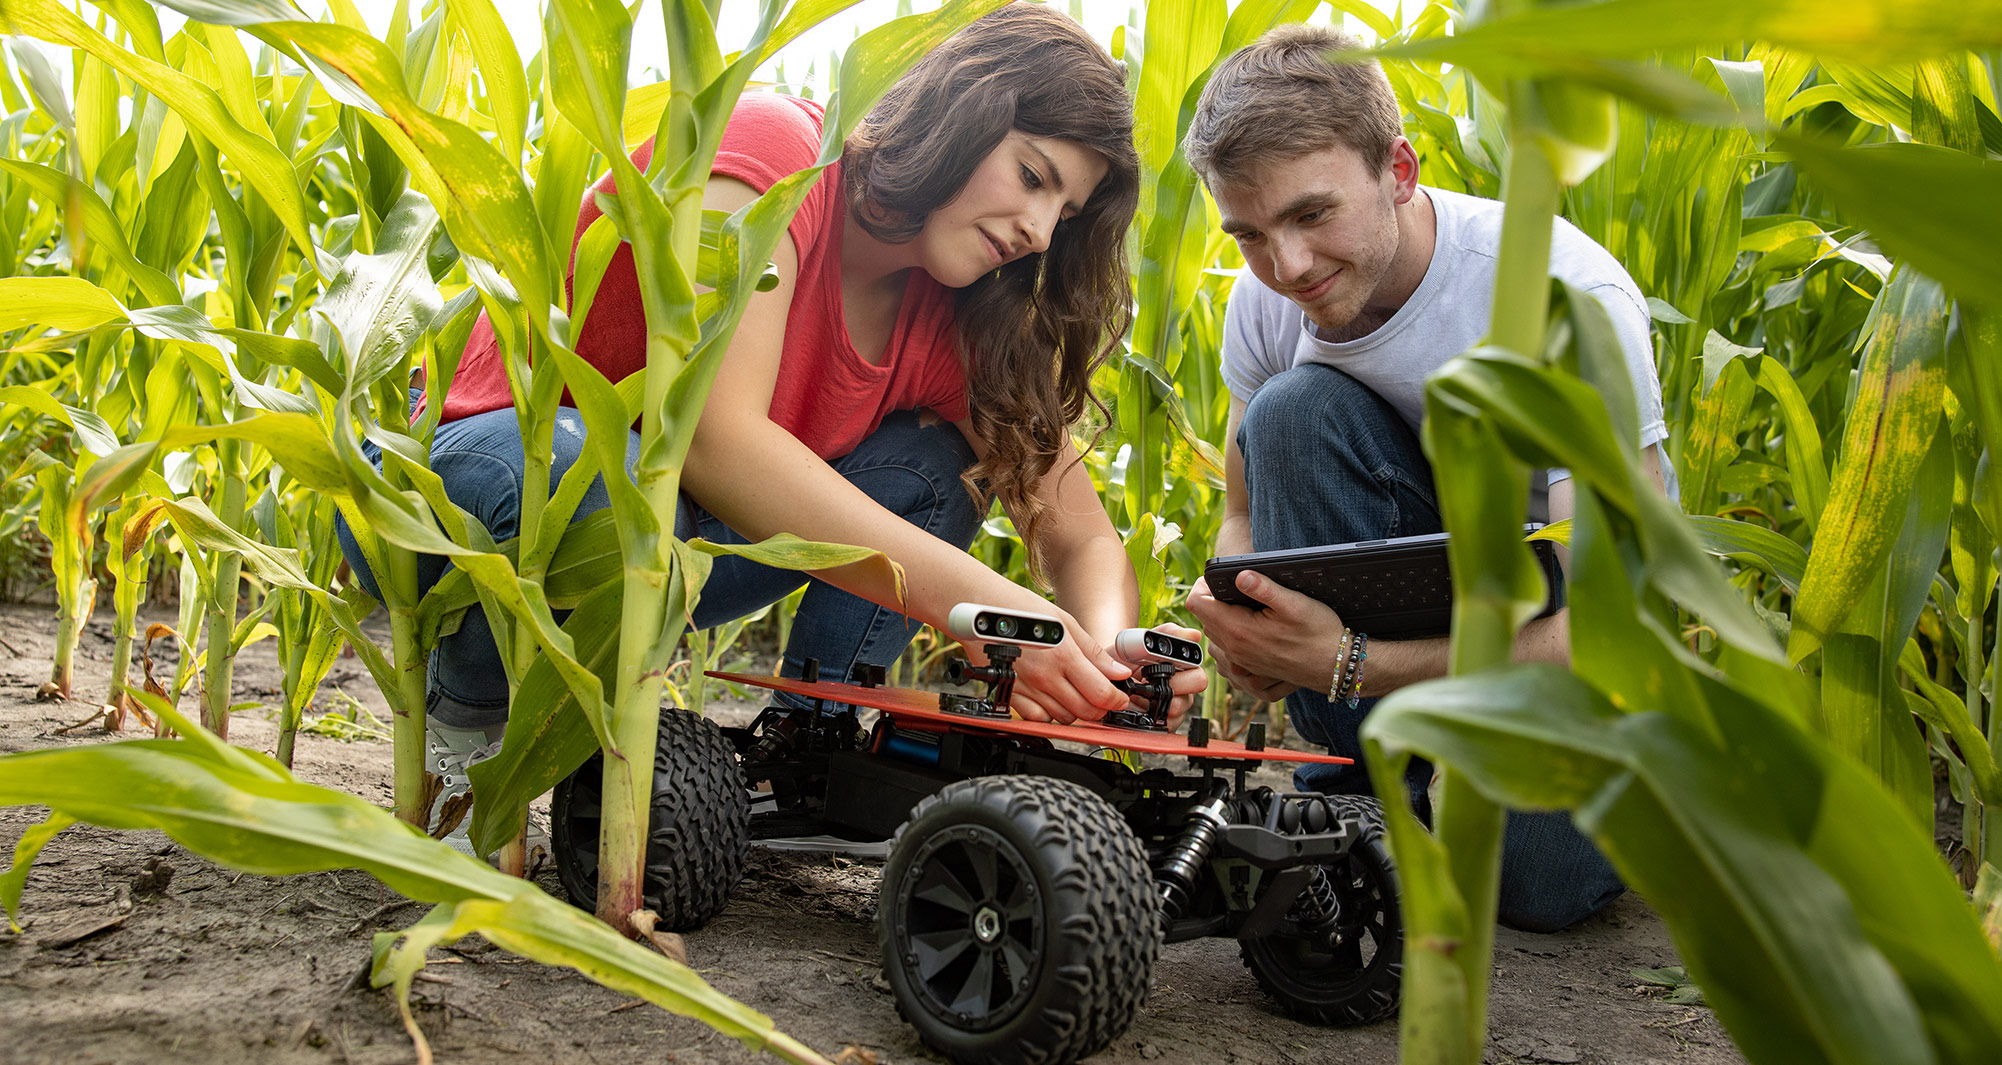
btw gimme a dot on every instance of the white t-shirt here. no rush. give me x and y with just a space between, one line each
1265 333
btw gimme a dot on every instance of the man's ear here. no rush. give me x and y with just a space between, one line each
1403 170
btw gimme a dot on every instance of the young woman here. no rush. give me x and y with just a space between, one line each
944 295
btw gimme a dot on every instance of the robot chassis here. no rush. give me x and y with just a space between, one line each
1028 888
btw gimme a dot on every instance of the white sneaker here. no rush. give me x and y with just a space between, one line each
450 753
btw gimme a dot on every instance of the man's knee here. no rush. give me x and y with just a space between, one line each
1307 402
1552 876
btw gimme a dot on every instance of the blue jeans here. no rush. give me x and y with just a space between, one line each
910 467
1327 461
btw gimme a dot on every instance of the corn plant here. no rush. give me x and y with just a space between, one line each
377 315
1757 804
247 811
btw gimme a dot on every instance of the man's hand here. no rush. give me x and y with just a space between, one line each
1290 644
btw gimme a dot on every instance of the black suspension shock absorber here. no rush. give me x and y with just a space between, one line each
1318 907
1176 877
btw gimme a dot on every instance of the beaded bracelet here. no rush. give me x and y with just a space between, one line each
1359 651
1336 682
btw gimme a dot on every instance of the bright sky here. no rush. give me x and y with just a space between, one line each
736 20
739 17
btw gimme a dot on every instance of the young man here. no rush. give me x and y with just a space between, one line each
1362 282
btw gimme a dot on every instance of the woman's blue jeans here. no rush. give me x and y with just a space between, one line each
1327 461
911 465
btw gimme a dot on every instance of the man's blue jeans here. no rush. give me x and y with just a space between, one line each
911 465
1327 461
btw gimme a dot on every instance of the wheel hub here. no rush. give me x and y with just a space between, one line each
972 931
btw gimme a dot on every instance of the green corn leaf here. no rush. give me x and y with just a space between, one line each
263 167
588 45
106 234
1615 644
802 16
297 440
1144 546
1522 394
786 551
594 255
1866 31
68 303
382 303
1713 438
43 81
1930 232
1886 95
1901 386
246 811
1945 110
490 212
93 432
500 69
692 567
535 926
15 879
183 323
235 12
1945 711
105 480
197 524
548 736
1806 469
1764 548
469 547
1870 955
233 79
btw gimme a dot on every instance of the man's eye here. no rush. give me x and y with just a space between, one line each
1247 238
1311 217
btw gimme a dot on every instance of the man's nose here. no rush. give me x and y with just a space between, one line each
1290 258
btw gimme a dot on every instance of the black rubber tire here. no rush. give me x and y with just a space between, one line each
698 834
1357 979
1065 915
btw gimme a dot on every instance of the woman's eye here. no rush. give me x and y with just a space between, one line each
1031 178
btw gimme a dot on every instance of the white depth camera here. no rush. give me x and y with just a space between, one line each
1138 647
971 623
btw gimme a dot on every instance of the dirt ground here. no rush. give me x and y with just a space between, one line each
224 968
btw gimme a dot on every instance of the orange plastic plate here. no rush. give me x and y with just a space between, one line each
919 709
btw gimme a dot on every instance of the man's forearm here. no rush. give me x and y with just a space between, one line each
1392 664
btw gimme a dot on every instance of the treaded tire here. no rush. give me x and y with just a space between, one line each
1018 921
698 834
1356 979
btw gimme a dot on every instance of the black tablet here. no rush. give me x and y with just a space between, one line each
1394 589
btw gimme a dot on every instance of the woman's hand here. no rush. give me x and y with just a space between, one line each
1186 684
1067 683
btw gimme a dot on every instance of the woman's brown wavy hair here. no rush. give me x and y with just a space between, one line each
1033 331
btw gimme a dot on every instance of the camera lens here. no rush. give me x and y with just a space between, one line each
1153 643
983 624
1037 632
1005 626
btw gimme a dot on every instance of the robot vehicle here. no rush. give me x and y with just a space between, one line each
1028 887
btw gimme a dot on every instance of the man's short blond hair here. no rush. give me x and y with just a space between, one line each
1281 97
